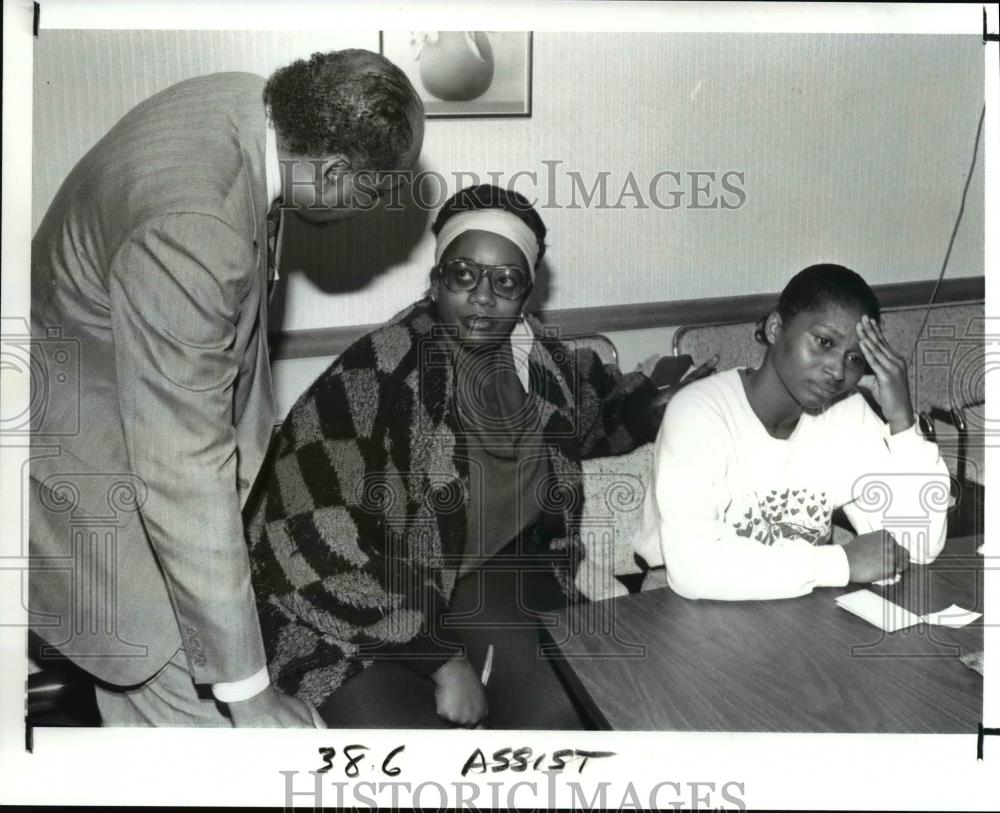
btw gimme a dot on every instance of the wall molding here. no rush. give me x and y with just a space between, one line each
332 341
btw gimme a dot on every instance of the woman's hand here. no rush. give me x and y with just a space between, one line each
460 696
874 556
670 381
665 371
889 385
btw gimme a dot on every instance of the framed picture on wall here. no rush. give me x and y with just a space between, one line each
465 73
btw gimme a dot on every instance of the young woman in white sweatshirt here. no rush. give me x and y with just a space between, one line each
751 463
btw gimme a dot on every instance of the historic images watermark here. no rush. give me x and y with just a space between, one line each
549 791
553 185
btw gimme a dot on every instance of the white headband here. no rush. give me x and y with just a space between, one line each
496 221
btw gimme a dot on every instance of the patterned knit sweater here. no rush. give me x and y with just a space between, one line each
357 535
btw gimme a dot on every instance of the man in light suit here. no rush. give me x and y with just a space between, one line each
152 267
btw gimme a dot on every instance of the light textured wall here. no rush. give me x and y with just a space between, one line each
84 81
854 149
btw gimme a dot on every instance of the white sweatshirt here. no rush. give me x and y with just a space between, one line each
735 513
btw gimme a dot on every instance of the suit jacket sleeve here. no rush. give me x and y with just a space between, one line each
175 288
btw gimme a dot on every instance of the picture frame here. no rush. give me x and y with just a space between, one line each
465 74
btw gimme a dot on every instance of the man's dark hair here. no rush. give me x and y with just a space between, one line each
817 286
485 196
353 102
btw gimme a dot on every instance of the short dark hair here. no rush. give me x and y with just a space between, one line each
485 196
353 102
817 286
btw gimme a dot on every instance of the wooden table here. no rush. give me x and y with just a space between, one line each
656 661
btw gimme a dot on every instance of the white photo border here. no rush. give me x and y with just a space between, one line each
209 767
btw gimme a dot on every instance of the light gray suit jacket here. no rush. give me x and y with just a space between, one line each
150 268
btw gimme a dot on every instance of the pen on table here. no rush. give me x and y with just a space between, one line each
484 678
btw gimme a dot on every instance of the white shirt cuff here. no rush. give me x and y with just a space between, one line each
244 689
832 568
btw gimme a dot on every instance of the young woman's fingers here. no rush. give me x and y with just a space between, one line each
702 370
878 336
874 355
869 330
884 372
877 330
893 362
896 359
868 334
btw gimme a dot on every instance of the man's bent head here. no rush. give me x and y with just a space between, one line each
337 115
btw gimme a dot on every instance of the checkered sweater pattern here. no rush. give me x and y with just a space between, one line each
358 532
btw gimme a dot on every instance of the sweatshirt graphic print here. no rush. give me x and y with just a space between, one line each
794 513
734 513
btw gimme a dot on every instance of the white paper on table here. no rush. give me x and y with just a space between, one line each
891 617
953 616
876 610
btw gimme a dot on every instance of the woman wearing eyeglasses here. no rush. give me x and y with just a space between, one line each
442 449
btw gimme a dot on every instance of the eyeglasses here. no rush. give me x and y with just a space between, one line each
460 276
